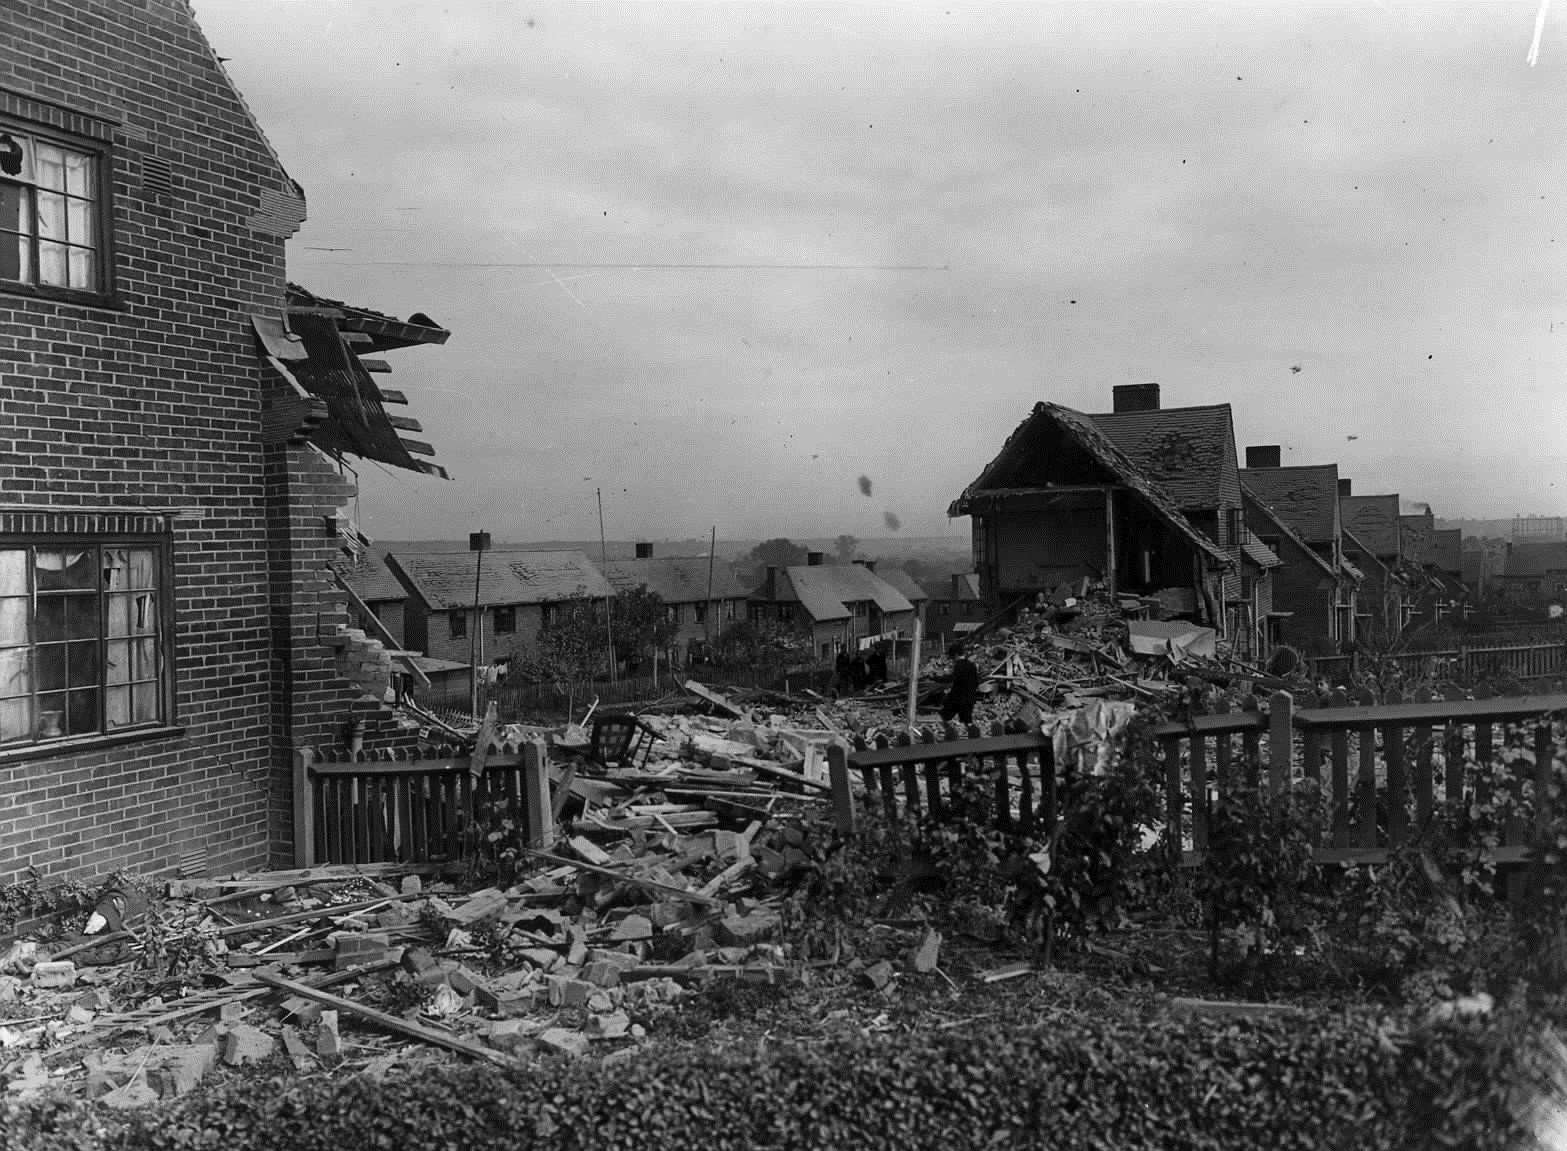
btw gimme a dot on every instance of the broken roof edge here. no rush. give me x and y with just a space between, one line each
1081 428
393 332
1289 533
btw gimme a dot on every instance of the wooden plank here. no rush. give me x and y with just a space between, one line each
404 423
1483 763
304 809
925 752
1232 721
1397 785
417 447
1441 711
1340 752
1367 784
842 793
717 699
311 916
393 1023
1199 764
627 877
392 396
1025 793
1003 795
1281 740
1453 763
1312 751
1047 787
408 767
1172 791
911 788
1544 757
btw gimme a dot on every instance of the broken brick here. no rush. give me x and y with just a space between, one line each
571 1043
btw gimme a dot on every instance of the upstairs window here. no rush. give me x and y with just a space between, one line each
83 639
459 624
52 221
505 620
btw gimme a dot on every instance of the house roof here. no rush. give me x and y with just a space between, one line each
1305 498
1536 559
1374 519
905 584
370 578
1414 537
1084 431
968 588
1260 554
445 580
385 332
1186 451
1251 496
676 579
1354 541
1447 550
827 590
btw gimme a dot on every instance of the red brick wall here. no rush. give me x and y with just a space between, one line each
155 402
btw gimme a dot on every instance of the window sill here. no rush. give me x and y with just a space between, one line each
58 748
108 302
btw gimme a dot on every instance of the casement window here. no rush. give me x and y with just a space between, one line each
699 611
729 610
84 638
1234 526
505 620
458 622
54 222
672 613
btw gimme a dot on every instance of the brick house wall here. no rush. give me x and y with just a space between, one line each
1299 585
152 399
435 631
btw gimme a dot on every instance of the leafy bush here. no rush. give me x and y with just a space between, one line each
1125 1081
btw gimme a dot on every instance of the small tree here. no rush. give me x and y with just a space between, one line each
844 548
571 647
641 623
765 645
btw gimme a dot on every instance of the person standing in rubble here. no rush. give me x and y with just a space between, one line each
964 691
840 681
876 666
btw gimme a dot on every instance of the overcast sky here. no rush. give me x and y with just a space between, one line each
721 261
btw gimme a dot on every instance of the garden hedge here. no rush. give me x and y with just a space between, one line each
1166 1082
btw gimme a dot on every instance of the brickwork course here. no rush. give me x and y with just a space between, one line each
149 399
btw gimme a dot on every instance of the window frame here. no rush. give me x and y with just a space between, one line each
166 719
457 624
508 616
102 293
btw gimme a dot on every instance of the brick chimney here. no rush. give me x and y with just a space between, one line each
770 588
1344 487
814 559
957 585
1135 397
644 551
1262 456
868 565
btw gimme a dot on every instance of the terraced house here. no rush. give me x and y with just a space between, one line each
172 422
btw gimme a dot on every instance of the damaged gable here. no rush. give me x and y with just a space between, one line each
333 400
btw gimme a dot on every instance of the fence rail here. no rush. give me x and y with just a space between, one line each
1368 760
1526 661
414 810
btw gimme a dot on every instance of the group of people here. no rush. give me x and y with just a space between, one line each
860 671
857 672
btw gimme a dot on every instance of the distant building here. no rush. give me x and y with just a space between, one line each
839 607
1539 529
701 595
953 608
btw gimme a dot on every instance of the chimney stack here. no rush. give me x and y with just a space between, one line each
1135 397
770 588
814 559
1262 456
868 565
644 551
1344 487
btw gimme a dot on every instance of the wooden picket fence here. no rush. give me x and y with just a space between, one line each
1525 661
1366 758
415 806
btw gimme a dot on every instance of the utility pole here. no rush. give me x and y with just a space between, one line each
707 622
609 627
478 544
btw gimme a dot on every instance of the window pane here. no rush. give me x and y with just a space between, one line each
117 707
13 571
82 712
52 265
81 616
118 654
82 666
84 268
49 162
51 716
117 615
78 174
51 664
16 719
79 219
50 214
144 699
13 620
144 659
14 678
11 197
51 618
142 568
16 258
16 156
61 570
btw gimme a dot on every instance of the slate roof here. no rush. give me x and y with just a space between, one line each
1414 536
1306 497
1447 550
444 580
903 583
1286 529
676 579
1536 559
1260 554
968 588
370 578
1186 451
1351 540
1085 432
1374 520
826 590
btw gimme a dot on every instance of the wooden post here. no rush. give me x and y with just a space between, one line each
1110 540
538 811
304 809
914 665
842 796
1281 740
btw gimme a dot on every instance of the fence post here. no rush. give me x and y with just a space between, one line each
304 809
537 808
842 797
1281 740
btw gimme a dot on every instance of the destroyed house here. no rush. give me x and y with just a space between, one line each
839 607
518 592
953 607
376 596
1064 501
169 628
1295 511
701 595
1534 569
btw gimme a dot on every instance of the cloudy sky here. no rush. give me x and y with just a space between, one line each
722 260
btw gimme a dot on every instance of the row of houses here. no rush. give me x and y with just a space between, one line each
1155 503
447 608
